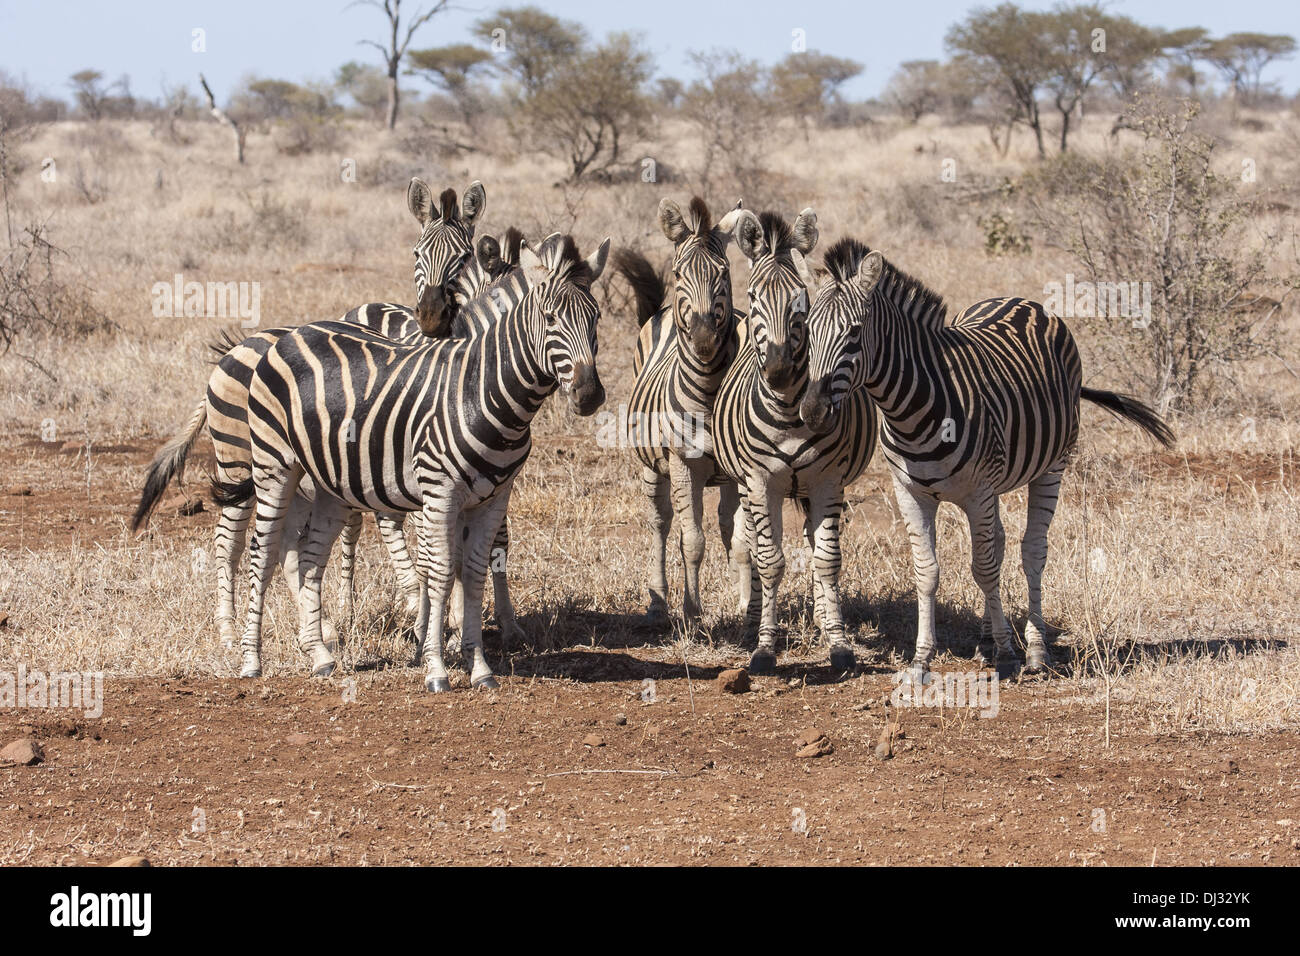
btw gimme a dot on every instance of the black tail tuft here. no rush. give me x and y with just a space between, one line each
167 464
222 345
232 493
1133 410
647 284
155 484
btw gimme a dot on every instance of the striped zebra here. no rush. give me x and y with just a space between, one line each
443 251
972 409
440 427
761 443
686 343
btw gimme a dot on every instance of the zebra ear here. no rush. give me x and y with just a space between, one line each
473 203
805 231
419 199
672 221
870 270
727 223
749 235
596 261
801 267
535 272
489 254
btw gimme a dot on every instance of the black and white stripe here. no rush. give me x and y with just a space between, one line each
761 443
972 409
441 427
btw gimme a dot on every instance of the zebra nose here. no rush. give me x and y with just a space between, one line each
815 409
432 313
587 393
778 368
704 336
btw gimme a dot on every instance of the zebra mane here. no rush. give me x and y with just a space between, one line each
700 217
777 232
561 257
447 202
911 295
514 240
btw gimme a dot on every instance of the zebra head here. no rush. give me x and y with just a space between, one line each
559 294
445 246
836 328
778 291
701 298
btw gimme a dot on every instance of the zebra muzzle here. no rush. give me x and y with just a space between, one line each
778 366
433 314
586 393
817 410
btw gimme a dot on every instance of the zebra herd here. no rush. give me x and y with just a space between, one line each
392 411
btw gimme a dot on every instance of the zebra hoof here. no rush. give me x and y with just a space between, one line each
1037 661
323 670
1008 667
656 615
486 682
843 660
250 671
436 685
762 662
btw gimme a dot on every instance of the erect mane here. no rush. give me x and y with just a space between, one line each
447 204
910 294
777 232
700 219
560 256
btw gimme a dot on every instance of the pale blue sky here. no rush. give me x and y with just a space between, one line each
44 41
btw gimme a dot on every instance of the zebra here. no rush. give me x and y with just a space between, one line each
686 343
443 251
972 409
761 443
442 427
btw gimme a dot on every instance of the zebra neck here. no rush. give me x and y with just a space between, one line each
778 405
908 380
513 377
471 280
696 383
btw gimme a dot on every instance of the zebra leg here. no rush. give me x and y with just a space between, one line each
408 579
437 555
825 510
686 486
511 632
987 545
328 517
765 509
228 546
482 528
810 538
297 523
918 512
742 551
348 564
1043 492
276 485
655 487
728 501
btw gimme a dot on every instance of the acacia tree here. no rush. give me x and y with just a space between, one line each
916 88
1012 47
395 45
452 69
1242 57
807 84
534 43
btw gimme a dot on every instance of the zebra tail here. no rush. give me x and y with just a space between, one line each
1133 410
646 282
167 464
233 492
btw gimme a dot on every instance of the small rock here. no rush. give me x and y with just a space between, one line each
1228 766
4 619
885 745
20 492
390 751
25 752
818 748
132 861
620 719
593 740
865 705
297 740
809 735
734 681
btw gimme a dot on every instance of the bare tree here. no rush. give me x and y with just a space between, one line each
223 117
394 48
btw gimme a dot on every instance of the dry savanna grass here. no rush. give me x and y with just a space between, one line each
1171 576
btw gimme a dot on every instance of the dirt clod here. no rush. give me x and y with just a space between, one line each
25 752
593 740
812 743
298 740
132 861
734 681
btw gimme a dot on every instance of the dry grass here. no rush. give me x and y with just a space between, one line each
1193 596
